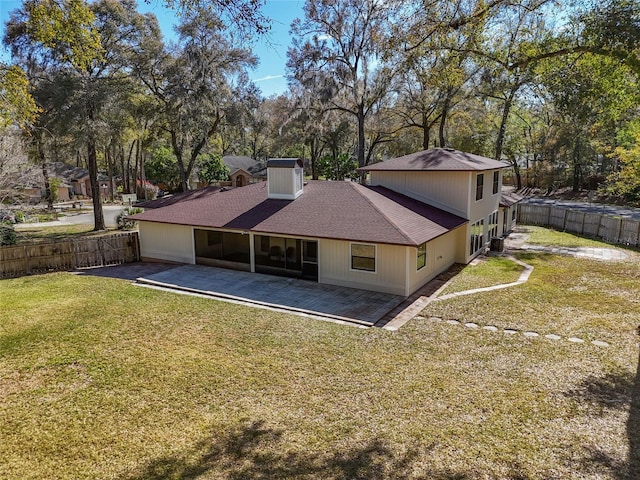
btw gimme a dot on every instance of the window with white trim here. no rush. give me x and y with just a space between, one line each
493 224
422 256
496 182
363 257
477 236
479 186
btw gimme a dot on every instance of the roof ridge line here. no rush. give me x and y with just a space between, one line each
391 222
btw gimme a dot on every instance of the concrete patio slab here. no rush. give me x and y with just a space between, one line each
303 297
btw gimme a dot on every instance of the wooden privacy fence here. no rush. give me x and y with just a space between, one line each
114 249
609 228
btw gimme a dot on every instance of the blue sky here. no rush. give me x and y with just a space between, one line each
272 51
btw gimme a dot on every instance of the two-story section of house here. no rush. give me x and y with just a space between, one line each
464 184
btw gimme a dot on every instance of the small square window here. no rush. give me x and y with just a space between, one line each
363 257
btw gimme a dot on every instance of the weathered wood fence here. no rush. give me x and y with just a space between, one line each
113 249
609 228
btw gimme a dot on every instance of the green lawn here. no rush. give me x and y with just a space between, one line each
484 272
100 379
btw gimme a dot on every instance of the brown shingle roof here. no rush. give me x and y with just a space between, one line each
336 210
508 199
176 198
437 159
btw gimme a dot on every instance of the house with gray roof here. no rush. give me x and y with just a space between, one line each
419 215
245 170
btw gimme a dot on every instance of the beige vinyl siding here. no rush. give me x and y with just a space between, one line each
334 258
483 209
448 191
161 241
442 252
489 203
281 181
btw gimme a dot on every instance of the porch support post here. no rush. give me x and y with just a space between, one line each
252 253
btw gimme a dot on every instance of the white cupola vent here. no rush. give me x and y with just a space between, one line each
285 178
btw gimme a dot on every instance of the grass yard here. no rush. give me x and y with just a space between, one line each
484 272
103 380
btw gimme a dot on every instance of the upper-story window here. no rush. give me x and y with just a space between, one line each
496 182
479 186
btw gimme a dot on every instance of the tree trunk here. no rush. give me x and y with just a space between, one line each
92 164
443 120
426 134
506 109
45 172
177 151
136 168
577 167
111 160
127 178
315 151
361 136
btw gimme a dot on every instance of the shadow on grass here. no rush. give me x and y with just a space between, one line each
615 391
253 451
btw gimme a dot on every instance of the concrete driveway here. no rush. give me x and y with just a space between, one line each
328 302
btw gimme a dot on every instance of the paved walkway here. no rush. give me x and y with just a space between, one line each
604 254
328 302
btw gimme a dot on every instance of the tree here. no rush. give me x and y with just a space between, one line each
245 15
195 85
15 171
211 168
340 167
86 48
626 181
338 47
17 106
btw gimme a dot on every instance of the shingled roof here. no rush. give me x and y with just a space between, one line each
335 210
437 159
176 198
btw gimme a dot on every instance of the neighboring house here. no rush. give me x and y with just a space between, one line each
76 181
421 214
508 211
76 177
245 170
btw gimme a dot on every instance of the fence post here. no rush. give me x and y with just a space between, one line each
27 267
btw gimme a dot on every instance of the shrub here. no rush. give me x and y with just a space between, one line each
7 234
123 222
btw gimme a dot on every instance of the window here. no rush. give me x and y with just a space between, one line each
496 182
493 224
479 186
477 235
422 255
363 257
514 213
